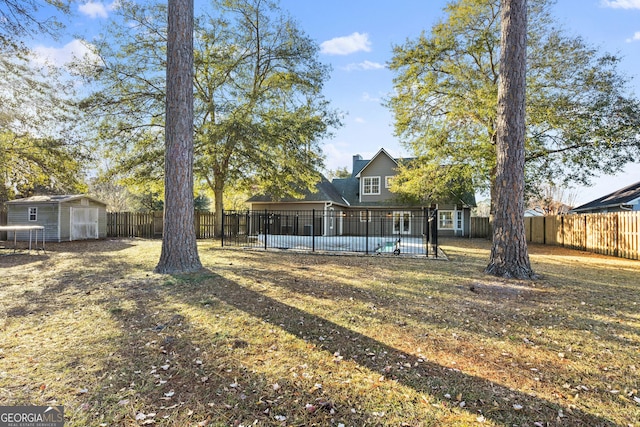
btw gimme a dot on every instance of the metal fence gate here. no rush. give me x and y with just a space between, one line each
369 231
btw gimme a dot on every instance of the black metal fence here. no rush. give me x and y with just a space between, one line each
369 231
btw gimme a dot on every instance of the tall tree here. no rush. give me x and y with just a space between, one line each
38 150
179 246
581 120
39 145
259 109
509 255
21 18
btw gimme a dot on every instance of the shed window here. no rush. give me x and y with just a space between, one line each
33 214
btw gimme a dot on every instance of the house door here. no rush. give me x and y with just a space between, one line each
84 223
402 222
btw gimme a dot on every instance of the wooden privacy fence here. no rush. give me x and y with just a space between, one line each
150 224
616 234
3 221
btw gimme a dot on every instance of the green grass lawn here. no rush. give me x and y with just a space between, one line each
288 339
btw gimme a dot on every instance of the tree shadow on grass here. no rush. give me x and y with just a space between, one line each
170 369
423 376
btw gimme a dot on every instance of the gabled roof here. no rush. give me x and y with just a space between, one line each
620 197
55 199
382 151
345 191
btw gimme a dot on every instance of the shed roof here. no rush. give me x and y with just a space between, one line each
54 199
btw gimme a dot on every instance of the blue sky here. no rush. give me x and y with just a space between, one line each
356 38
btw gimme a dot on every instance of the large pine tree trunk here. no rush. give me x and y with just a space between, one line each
509 255
179 248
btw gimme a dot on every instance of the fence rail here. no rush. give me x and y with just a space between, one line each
615 234
150 224
370 232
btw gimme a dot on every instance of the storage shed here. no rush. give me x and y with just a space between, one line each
64 218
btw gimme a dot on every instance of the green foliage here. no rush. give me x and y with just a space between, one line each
21 18
340 172
40 150
31 165
581 121
425 183
201 202
259 111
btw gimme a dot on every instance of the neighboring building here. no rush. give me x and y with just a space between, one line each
537 211
64 218
346 205
625 199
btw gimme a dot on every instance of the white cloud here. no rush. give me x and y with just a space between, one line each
346 45
621 4
635 38
337 155
366 65
97 9
62 56
368 98
360 120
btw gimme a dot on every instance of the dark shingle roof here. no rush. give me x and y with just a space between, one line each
325 192
615 199
345 191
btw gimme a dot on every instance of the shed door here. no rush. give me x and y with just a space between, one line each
84 223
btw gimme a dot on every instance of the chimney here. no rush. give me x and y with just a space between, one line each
356 159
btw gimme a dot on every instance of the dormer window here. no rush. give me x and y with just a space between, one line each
370 185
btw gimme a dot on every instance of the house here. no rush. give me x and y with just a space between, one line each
64 218
625 199
358 203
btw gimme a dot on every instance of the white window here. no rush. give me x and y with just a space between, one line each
402 222
33 214
445 220
331 218
371 185
450 220
388 180
365 216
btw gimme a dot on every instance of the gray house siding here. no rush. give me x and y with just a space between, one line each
65 218
378 169
346 201
54 214
47 217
